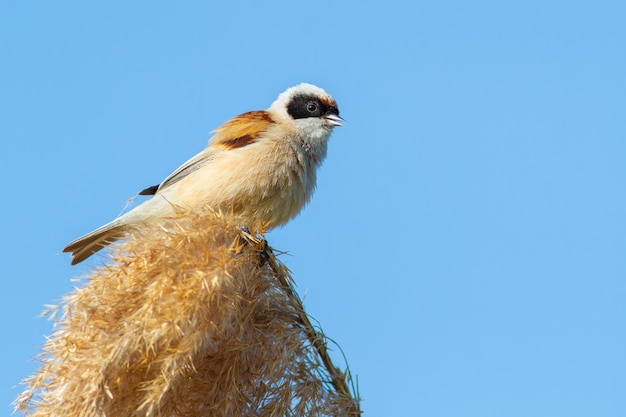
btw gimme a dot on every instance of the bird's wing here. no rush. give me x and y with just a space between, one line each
193 164
238 132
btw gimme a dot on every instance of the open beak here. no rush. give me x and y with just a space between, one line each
333 120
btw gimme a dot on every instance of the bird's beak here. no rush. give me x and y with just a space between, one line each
333 120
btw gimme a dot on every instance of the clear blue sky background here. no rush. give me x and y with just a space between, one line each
466 242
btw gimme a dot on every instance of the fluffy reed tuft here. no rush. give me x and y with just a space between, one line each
193 317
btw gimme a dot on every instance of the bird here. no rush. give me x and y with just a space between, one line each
259 166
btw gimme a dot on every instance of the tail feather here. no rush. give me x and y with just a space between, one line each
85 246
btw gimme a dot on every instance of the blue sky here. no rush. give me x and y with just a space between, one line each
466 242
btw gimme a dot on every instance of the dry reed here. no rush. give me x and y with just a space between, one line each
192 317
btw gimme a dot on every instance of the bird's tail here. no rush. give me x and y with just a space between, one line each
85 246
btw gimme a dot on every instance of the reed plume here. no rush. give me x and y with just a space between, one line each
190 317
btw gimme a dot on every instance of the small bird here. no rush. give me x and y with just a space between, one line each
259 166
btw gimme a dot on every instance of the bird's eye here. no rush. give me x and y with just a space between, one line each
311 106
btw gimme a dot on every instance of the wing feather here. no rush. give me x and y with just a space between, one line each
238 132
191 165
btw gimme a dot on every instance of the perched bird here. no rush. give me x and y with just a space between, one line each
259 166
